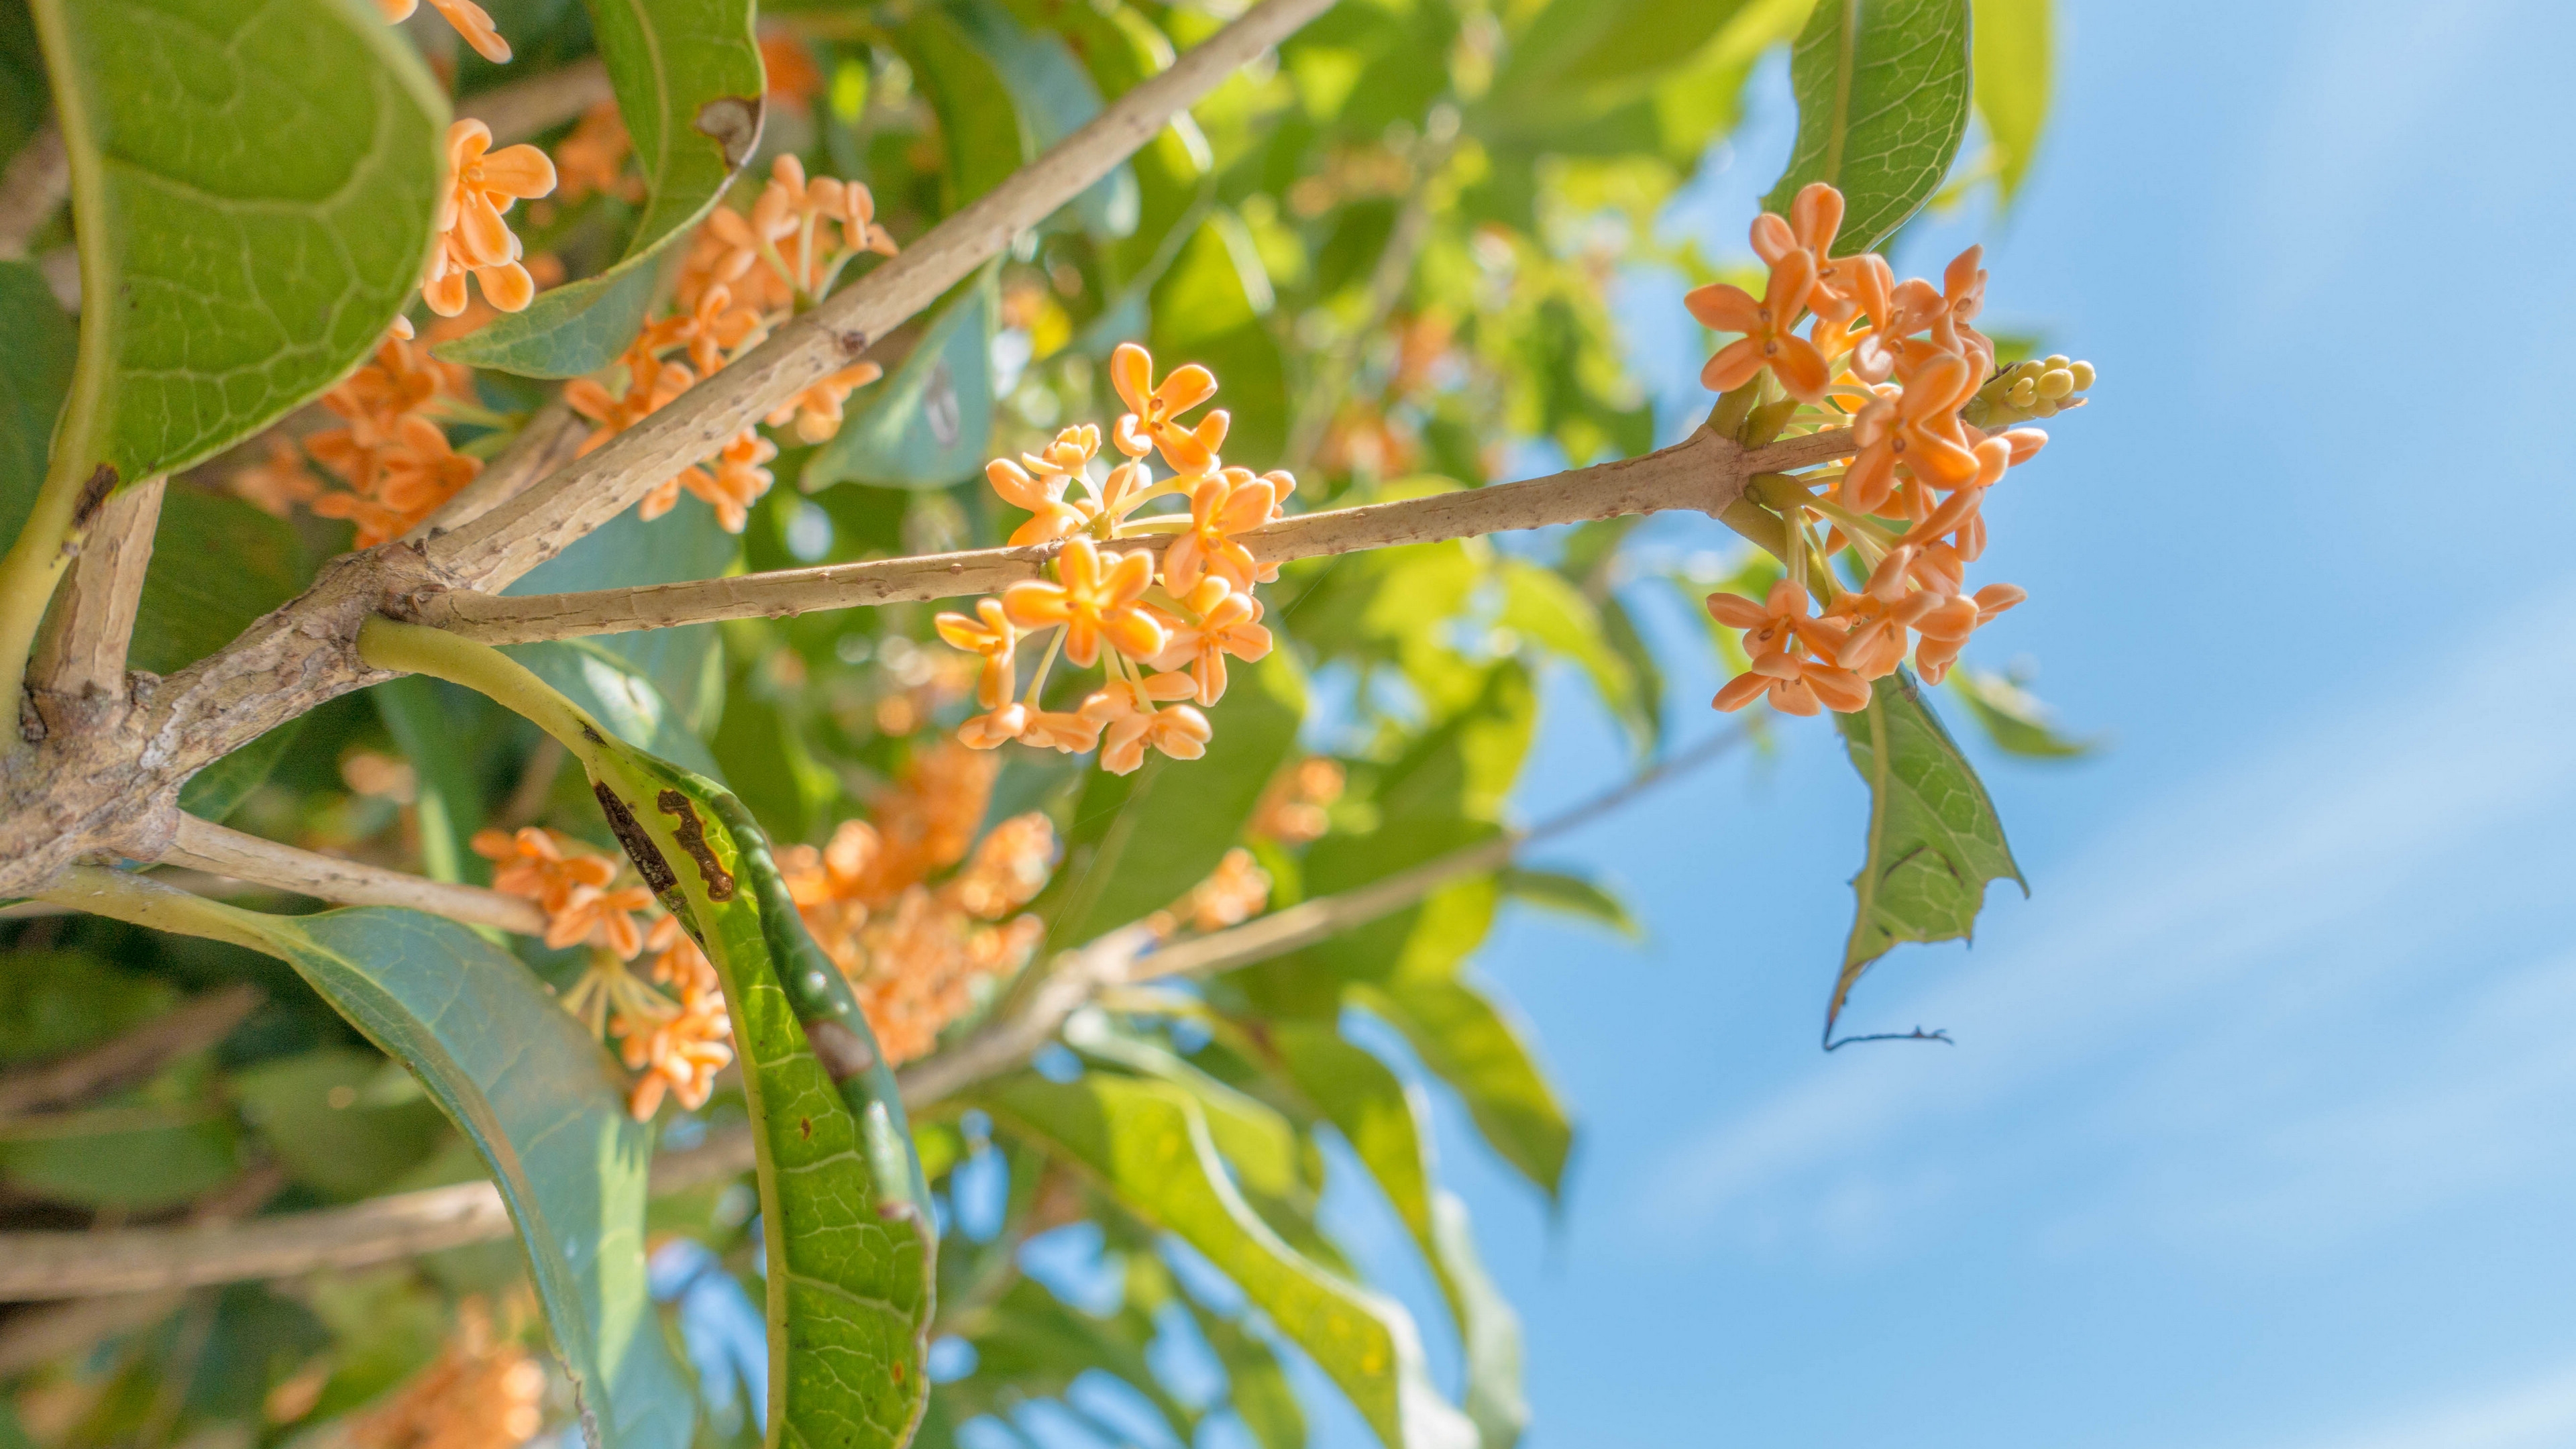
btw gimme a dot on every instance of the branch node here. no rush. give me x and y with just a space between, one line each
852 342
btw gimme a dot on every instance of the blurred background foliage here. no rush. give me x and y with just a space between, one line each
1395 243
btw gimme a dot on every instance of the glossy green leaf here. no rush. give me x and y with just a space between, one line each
930 424
1253 1138
2015 720
37 343
848 1239
1934 840
2012 52
1578 58
446 802
216 791
1569 894
245 276
1542 606
538 1098
1055 96
1464 1038
1148 1144
1882 91
218 564
980 128
688 79
622 697
1139 842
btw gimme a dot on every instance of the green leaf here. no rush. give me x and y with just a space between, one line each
1148 1144
37 344
619 695
1212 306
1056 97
1038 1345
1933 842
848 1235
335 1123
1579 58
447 805
544 1106
232 275
979 126
53 1003
1139 842
930 424
1256 1387
688 79
137 1159
216 791
1464 1039
1882 91
2012 82
684 665
1571 895
1388 1125
2014 719
1543 607
220 563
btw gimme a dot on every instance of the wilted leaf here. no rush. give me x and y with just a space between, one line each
1148 1145
246 276
1882 102
688 80
1933 839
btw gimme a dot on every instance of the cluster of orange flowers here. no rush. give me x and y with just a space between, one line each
390 456
481 1392
743 275
915 952
678 1037
1161 629
1235 892
1293 810
1900 364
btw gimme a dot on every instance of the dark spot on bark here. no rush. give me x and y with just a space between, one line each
851 343
734 122
843 1052
648 858
93 496
693 839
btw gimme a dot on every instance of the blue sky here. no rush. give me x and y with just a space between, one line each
2254 1132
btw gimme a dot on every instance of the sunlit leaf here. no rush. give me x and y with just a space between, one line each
1056 96
2012 82
1212 307
2014 719
1882 91
1139 842
1148 1145
1933 840
688 80
1256 1387
1572 895
1541 606
233 277
980 127
1466 1040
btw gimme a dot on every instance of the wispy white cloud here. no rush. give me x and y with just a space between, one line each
2183 998
2536 1414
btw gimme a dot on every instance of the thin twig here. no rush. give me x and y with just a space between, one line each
199 1022
38 179
70 1265
1705 473
226 852
496 548
521 109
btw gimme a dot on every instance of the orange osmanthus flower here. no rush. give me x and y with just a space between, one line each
1228 623
1221 506
471 21
1815 217
1152 420
1766 324
1095 599
1919 430
481 185
1179 731
990 635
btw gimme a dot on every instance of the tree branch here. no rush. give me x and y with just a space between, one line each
543 101
38 179
78 670
1705 473
210 847
386 1229
200 1021
496 548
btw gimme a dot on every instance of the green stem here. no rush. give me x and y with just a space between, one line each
413 649
137 900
